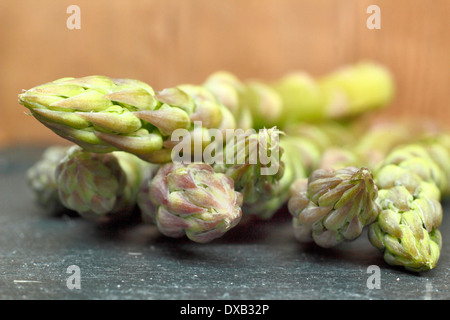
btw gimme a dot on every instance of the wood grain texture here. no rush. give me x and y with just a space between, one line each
168 42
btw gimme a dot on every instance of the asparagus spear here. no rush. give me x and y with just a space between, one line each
41 179
190 200
333 206
102 114
406 231
100 186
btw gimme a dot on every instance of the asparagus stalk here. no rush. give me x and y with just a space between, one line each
406 231
344 93
254 160
333 206
102 114
42 182
100 186
231 92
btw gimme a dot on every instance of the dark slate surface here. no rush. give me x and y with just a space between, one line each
256 261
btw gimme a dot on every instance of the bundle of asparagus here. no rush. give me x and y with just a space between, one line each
298 146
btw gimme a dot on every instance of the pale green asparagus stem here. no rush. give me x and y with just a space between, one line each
377 138
438 147
231 92
347 92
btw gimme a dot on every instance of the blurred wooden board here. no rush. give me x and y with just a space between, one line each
166 43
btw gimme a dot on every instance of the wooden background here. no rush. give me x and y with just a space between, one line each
168 42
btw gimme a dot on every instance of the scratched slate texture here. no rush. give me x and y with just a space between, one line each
260 260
